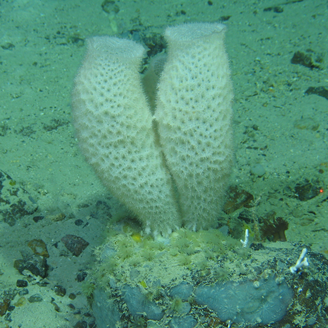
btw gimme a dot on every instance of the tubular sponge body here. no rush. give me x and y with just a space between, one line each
169 164
114 127
194 114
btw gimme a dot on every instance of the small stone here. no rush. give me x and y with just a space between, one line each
4 305
72 296
60 290
21 283
305 59
38 218
56 306
110 7
38 247
92 324
23 292
81 276
81 324
257 246
76 245
35 298
8 46
78 222
71 306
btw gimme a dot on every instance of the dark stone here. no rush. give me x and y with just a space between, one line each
35 298
155 43
71 306
3 128
72 296
36 264
23 292
43 283
109 6
21 283
8 46
60 290
56 306
257 246
81 324
38 218
276 9
304 59
81 276
10 308
224 18
55 124
92 324
78 222
76 245
319 91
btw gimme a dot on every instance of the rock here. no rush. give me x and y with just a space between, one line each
76 245
36 264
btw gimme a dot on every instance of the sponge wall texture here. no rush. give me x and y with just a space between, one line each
113 123
194 114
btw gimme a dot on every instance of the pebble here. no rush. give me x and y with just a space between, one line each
35 298
258 170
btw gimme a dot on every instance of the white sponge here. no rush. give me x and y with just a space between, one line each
114 127
194 114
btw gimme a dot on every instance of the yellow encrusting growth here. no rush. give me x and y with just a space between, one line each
137 237
167 260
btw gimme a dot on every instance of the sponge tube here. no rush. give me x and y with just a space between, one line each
114 127
194 114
